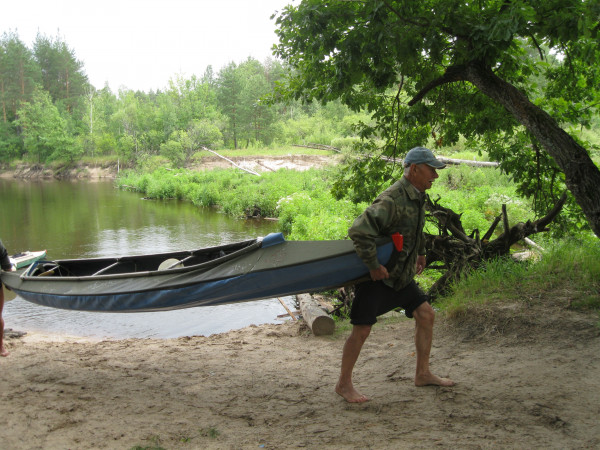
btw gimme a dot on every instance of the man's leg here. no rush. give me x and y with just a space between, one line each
3 351
352 348
424 317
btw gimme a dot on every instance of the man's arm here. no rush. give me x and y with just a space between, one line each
367 227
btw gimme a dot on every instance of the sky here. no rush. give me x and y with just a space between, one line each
141 44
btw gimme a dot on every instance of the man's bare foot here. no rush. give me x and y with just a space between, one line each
430 379
4 352
350 394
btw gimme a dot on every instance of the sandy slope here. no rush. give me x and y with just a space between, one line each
526 379
256 164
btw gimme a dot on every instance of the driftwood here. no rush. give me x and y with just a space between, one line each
467 162
319 147
230 161
317 319
289 311
265 166
454 252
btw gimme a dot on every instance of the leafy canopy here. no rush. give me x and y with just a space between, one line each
435 71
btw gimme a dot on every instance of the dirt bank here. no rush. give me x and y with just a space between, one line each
527 378
96 172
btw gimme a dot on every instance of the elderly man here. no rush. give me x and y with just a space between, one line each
399 209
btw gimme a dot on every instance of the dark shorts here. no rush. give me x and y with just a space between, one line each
374 298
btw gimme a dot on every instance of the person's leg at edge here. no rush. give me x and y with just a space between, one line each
352 348
424 317
3 351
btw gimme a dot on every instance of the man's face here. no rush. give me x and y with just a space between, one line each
423 176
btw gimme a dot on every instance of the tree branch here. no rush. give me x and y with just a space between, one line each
452 74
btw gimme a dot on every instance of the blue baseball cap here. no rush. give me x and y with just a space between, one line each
422 155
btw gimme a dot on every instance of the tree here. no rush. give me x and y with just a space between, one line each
256 115
229 88
45 132
62 72
19 75
203 133
441 69
192 98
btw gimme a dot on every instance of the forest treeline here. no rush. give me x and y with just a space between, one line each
50 111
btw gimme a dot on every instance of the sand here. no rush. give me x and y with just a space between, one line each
525 379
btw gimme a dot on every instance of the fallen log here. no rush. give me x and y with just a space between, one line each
319 147
317 319
230 161
468 162
450 161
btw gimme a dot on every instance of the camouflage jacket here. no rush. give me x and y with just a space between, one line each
400 208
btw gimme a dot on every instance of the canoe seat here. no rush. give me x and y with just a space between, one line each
170 263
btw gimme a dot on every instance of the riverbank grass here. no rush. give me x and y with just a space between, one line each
567 274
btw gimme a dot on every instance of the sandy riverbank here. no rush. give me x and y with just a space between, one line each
526 379
92 172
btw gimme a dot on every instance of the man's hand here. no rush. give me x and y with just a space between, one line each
380 273
420 264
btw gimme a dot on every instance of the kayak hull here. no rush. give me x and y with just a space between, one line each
252 270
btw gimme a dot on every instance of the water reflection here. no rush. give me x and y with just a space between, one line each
83 219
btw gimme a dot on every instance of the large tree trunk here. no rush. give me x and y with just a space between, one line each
581 174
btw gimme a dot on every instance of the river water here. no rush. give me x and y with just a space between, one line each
83 219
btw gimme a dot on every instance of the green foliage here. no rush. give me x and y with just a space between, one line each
174 152
45 136
316 216
301 200
362 178
62 74
20 75
203 133
11 147
476 72
345 143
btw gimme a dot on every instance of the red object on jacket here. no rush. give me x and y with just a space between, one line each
398 241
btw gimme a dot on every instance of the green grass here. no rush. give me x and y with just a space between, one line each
567 274
300 199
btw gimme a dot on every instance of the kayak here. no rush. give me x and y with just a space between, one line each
243 271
